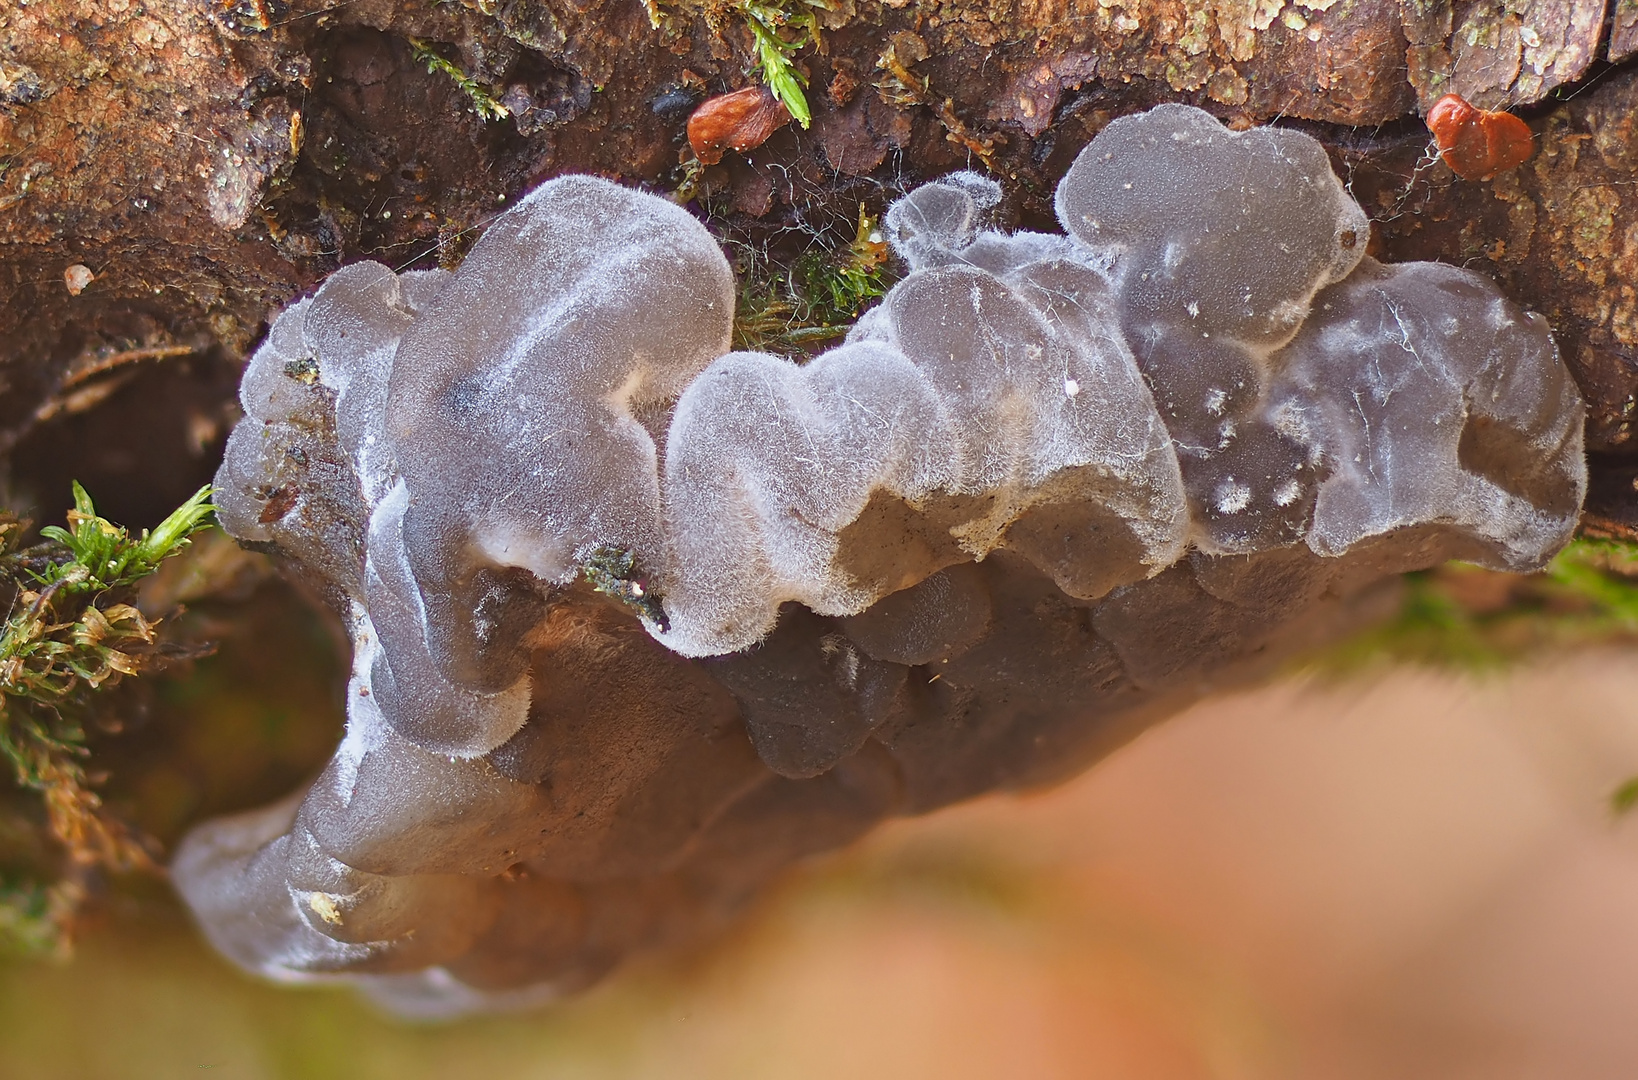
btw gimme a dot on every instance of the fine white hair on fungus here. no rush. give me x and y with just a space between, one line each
639 620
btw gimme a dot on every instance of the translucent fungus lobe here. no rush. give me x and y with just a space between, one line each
638 621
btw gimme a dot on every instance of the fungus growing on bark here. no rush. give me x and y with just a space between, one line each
638 620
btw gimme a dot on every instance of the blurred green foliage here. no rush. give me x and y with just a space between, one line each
1472 619
1466 617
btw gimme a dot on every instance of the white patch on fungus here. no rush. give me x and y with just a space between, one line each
1232 496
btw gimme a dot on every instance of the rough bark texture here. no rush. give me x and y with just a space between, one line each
206 160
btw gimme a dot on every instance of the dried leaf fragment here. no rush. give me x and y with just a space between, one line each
77 277
742 120
1476 143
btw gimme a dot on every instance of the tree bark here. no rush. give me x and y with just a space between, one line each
205 162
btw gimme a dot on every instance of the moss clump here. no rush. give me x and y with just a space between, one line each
614 572
483 101
778 34
71 631
817 299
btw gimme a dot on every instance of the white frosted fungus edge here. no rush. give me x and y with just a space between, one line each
640 620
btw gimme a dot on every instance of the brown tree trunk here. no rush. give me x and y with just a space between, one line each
173 170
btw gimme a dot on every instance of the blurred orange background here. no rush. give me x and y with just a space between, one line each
1406 874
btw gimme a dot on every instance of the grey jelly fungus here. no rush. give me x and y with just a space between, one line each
637 620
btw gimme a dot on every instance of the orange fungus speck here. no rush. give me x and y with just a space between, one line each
738 121
1477 143
77 277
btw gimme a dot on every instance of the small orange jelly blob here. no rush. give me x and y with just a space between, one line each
1476 143
738 121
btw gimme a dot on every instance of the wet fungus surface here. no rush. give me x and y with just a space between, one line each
638 620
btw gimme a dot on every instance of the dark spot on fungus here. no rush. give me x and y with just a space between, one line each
464 396
1349 238
280 503
303 370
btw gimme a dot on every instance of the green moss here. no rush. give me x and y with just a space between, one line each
778 34
817 299
32 915
614 572
482 100
71 631
1625 796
